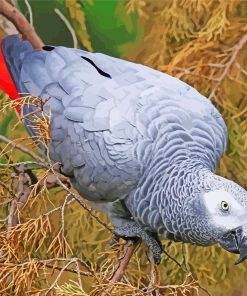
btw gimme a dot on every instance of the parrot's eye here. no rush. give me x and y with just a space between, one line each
224 206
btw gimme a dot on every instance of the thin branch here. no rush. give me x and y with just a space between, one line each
59 208
21 198
173 259
15 164
62 212
153 277
68 25
58 277
30 12
21 23
185 259
235 50
241 69
204 289
85 273
187 71
78 271
22 148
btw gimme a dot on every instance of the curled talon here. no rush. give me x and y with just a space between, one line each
132 230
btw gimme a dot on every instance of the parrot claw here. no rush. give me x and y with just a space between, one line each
132 230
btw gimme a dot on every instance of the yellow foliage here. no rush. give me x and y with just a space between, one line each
79 22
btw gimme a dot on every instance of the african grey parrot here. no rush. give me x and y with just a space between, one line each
139 144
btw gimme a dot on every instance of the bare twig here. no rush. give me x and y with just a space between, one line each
22 148
72 260
204 289
153 277
58 276
59 208
241 69
68 25
85 273
234 52
15 164
20 22
78 271
185 257
19 201
26 178
30 12
173 259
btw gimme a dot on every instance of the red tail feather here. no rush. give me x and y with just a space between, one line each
6 81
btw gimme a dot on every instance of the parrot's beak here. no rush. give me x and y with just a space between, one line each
235 241
242 247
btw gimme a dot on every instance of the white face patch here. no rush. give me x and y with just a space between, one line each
218 200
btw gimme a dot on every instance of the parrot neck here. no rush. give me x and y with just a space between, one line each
164 190
184 185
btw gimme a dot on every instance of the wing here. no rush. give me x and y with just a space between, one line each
211 131
93 129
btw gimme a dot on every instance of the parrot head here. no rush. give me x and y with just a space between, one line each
221 207
227 207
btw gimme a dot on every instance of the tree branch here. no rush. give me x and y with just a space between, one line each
235 51
21 23
129 249
20 200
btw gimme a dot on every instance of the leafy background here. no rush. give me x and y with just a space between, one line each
195 40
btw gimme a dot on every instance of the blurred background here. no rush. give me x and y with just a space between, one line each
202 42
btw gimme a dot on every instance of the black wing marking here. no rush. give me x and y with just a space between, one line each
97 68
48 47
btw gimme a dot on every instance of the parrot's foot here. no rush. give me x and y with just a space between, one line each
133 230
